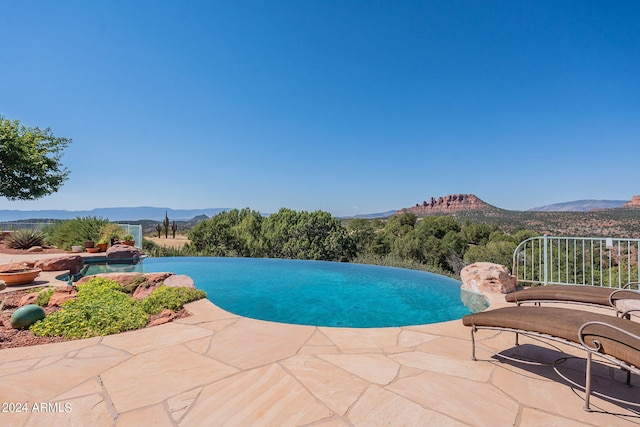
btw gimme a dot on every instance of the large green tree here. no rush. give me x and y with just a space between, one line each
30 165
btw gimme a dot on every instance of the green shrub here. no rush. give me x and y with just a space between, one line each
101 308
44 297
65 234
25 239
171 298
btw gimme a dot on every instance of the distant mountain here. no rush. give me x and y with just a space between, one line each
581 206
373 215
112 214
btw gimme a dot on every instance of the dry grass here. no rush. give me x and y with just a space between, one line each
170 242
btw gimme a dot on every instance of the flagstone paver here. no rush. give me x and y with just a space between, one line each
164 372
219 369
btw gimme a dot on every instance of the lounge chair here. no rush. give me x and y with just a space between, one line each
575 294
617 340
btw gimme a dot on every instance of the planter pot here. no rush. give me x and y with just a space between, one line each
102 246
128 242
22 277
89 244
93 250
77 248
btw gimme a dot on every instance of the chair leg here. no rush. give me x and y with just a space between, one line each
473 344
587 388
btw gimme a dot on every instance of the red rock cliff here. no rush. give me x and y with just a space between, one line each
447 204
633 203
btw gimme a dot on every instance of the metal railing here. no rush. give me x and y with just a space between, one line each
595 261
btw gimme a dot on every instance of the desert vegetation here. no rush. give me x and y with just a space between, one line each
438 244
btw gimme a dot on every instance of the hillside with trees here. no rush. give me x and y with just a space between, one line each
621 222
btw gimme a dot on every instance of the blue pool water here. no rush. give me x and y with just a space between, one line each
319 293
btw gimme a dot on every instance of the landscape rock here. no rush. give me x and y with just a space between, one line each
158 279
123 252
29 298
61 295
73 263
14 266
34 249
2 285
487 277
164 317
179 281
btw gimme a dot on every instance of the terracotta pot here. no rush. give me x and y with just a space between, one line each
12 278
93 250
102 246
128 242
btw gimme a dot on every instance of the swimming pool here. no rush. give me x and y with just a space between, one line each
322 293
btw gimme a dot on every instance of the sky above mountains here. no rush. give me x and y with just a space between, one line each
349 107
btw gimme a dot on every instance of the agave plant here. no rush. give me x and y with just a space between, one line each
24 239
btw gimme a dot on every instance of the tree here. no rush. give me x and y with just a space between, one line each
30 165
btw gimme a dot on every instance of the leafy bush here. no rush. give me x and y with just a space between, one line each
65 234
44 297
101 308
25 239
171 298
111 231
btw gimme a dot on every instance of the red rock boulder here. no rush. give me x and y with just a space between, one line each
487 277
73 263
123 252
61 295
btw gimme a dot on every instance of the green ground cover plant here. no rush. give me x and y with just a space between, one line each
44 296
169 297
103 307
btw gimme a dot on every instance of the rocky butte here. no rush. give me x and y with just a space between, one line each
633 203
448 204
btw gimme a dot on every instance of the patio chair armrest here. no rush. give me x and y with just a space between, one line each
596 344
631 283
626 315
619 294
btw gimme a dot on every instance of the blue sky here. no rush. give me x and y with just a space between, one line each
345 106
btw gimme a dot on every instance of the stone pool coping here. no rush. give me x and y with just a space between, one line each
217 368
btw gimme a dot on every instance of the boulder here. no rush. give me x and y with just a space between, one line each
73 263
123 252
29 298
487 277
179 281
33 249
61 295
164 317
2 285
14 266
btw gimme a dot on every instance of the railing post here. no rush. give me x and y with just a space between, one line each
544 260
